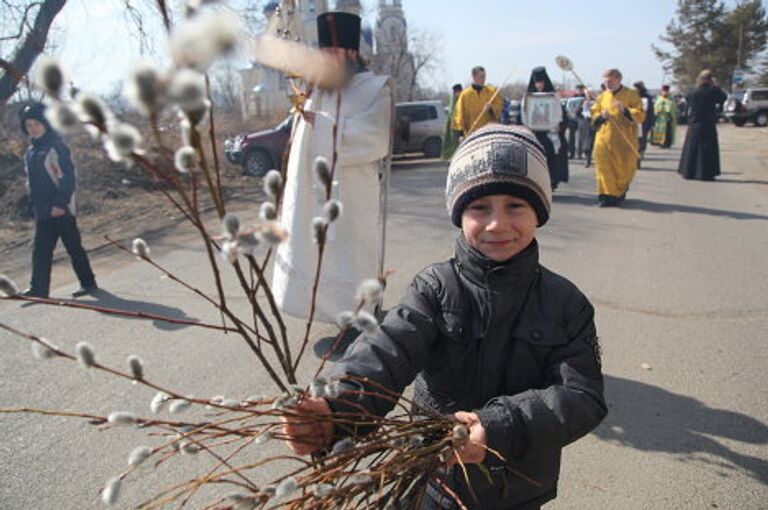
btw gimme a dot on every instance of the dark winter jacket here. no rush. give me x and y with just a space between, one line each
51 178
514 343
650 113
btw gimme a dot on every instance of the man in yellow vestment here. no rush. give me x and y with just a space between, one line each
615 117
477 105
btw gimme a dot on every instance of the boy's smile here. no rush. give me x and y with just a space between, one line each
499 226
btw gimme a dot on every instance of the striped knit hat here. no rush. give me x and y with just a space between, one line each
499 159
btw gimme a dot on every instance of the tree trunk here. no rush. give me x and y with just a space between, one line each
28 49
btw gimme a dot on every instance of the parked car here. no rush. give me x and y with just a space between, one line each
752 107
423 131
722 110
261 151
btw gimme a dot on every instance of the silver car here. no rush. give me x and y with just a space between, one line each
419 127
752 107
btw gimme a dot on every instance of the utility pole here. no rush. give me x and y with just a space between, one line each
741 42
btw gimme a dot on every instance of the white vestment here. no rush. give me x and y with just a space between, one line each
354 248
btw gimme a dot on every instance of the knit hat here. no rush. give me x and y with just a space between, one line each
34 111
499 159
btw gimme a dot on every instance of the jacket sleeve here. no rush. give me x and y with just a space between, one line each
459 115
570 405
390 358
66 171
497 105
720 97
597 109
635 109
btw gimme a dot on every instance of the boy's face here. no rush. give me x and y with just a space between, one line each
499 226
35 128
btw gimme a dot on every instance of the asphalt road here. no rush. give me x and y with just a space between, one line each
678 277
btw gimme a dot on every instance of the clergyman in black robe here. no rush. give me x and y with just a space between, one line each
700 158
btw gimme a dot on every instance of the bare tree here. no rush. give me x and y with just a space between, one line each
515 90
425 51
407 58
226 86
33 22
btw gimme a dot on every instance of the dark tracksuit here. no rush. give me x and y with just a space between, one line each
51 182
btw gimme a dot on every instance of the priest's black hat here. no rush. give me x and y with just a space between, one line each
338 30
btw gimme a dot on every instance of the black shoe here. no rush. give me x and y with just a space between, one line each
34 293
84 291
608 201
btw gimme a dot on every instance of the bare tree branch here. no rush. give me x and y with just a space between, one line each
22 24
29 49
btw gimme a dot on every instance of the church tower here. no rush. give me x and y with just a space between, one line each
264 90
366 34
391 27
393 57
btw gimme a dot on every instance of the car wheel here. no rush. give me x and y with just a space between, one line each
257 163
761 119
739 122
433 147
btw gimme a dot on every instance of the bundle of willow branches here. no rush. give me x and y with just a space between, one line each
385 468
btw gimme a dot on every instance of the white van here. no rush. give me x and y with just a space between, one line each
420 127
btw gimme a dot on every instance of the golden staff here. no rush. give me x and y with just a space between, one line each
565 64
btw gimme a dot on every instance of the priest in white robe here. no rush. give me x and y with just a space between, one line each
354 249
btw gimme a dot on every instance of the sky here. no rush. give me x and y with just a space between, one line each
507 37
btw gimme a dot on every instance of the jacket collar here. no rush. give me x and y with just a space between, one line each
484 271
47 139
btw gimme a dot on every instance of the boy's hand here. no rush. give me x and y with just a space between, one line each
307 426
57 212
474 451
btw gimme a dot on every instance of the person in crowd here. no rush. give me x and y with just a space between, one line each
553 139
491 337
350 129
452 131
478 104
51 182
647 125
575 132
700 158
586 136
665 126
615 117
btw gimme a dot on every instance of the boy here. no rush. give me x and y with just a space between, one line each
51 184
490 336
